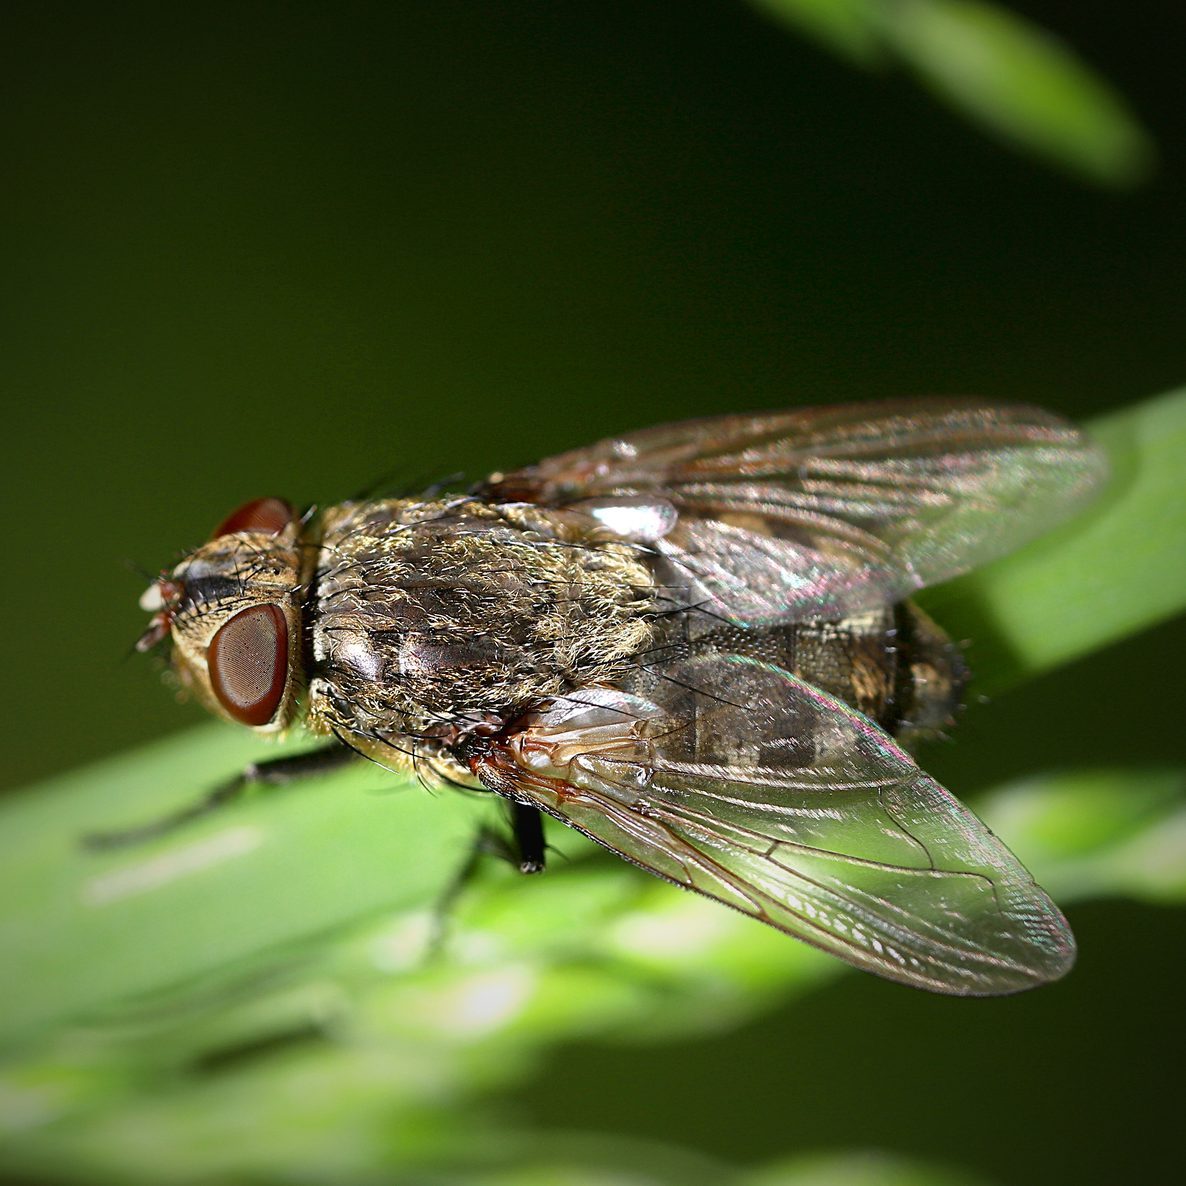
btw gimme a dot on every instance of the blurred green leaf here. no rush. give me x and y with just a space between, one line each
858 1169
849 27
1097 832
1023 84
997 69
83 930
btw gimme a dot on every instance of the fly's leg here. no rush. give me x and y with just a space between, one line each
528 827
273 772
524 849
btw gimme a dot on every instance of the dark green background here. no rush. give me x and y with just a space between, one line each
288 248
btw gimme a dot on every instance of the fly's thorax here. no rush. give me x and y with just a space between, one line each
430 615
233 610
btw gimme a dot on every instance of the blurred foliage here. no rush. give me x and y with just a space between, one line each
994 68
264 997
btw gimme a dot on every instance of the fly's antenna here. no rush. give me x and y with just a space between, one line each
140 570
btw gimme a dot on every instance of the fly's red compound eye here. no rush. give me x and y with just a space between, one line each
272 515
248 663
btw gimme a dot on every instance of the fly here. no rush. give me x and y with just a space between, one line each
694 644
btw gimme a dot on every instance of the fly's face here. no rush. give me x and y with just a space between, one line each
232 609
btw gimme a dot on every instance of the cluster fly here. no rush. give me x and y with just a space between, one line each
693 644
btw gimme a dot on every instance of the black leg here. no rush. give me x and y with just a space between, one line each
525 850
528 827
487 843
273 772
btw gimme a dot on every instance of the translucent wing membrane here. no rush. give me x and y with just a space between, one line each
825 512
739 781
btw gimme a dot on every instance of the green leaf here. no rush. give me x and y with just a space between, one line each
1021 84
856 1169
84 931
1099 832
848 27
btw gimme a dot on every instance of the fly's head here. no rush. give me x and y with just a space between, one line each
232 609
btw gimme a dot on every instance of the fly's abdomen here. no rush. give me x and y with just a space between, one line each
931 676
894 665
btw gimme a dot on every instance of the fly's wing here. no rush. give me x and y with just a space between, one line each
780 801
825 512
